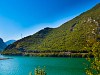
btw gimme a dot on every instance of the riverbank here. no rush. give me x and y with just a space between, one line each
51 54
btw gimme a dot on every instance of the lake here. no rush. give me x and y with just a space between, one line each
22 65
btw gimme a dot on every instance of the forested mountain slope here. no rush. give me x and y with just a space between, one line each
71 36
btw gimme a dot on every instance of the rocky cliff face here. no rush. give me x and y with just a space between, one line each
2 44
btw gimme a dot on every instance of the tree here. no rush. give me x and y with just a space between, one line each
94 43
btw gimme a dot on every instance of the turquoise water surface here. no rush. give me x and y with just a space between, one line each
22 65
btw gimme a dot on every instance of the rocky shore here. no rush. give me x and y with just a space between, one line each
4 58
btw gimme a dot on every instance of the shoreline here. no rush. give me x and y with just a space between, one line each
53 54
4 58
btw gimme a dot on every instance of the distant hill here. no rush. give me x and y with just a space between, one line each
71 36
2 44
10 42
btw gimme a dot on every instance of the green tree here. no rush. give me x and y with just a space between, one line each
94 68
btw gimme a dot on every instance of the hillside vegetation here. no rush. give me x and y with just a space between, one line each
71 36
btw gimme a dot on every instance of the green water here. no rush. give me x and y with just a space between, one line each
21 65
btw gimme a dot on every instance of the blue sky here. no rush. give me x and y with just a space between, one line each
29 16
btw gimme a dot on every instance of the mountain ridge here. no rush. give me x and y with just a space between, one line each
70 36
9 42
2 44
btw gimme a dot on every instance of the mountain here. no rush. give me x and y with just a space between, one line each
71 36
10 42
2 44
